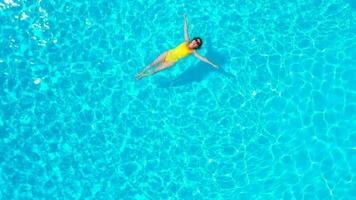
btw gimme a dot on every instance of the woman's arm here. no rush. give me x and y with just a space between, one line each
204 59
186 37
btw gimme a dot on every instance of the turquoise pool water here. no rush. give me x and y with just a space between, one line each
276 121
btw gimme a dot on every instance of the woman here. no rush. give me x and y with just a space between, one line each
169 58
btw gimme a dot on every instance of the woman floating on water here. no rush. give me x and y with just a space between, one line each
169 58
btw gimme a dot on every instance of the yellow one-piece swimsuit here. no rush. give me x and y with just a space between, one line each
177 53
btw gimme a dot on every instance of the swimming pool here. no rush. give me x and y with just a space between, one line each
277 121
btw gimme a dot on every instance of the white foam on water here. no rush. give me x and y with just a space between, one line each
38 26
88 22
254 93
11 2
37 81
42 42
23 16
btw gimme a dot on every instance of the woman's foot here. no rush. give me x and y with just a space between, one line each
139 75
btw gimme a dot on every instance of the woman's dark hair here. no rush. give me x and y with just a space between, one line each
200 41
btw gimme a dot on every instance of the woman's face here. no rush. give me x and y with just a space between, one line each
194 43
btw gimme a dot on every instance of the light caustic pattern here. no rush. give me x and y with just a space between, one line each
276 121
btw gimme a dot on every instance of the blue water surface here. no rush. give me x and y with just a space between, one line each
276 121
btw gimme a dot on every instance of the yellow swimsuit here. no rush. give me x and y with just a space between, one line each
179 52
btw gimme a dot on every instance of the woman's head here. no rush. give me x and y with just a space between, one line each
196 43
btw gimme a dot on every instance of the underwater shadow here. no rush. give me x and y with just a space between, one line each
198 72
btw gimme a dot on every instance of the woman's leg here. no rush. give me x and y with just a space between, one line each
161 67
158 60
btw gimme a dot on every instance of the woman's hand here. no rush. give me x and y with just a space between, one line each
216 66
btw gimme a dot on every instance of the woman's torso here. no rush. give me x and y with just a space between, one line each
181 51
